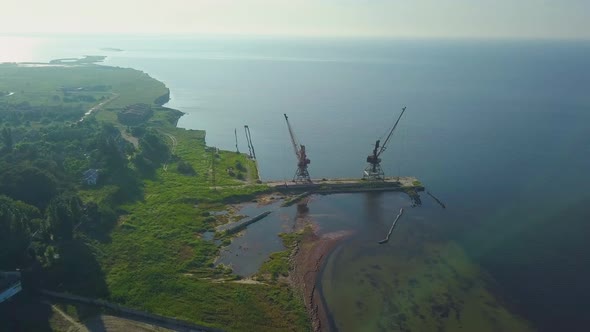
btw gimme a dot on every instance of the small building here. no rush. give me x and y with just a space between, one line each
10 285
90 176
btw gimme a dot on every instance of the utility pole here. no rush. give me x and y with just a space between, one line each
236 134
213 167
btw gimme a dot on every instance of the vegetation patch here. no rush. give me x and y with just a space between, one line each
136 114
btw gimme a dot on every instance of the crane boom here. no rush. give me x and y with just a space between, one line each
293 139
384 146
249 141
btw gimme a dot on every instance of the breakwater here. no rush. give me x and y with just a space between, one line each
401 211
437 200
295 199
240 225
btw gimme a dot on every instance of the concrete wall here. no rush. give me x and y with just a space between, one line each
10 292
127 311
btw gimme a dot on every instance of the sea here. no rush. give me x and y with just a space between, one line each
499 130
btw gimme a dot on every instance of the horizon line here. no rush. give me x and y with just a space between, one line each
288 36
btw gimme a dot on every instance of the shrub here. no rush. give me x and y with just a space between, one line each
185 168
240 166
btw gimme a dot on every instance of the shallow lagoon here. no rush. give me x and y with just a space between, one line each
419 280
328 213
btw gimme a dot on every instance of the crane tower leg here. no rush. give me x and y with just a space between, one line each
374 173
301 175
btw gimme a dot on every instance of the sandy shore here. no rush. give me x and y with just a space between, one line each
307 260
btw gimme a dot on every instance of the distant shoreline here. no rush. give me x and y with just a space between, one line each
85 60
112 49
61 62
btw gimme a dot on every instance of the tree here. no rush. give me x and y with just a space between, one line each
153 147
63 213
185 168
7 138
16 228
109 152
153 152
240 166
30 184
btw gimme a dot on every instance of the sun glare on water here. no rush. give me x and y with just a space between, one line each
18 49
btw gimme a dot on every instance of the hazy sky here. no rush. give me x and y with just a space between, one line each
397 18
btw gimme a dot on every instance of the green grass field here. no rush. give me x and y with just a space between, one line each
40 85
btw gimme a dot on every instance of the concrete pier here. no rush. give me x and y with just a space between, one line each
332 186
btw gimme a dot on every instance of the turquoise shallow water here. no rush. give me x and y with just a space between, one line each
499 130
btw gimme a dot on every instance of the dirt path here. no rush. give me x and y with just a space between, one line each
131 139
99 106
174 144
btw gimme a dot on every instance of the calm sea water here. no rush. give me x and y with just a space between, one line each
499 130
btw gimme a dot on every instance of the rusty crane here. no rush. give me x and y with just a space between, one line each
301 175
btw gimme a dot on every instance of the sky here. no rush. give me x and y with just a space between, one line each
338 18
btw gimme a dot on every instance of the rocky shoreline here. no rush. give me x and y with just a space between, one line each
307 260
